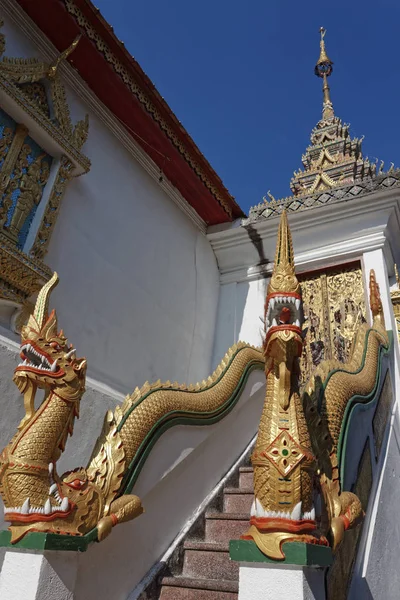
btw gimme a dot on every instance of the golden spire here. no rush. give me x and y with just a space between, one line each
323 69
283 277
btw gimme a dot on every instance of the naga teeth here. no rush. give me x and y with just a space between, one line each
274 323
297 323
65 505
272 303
52 489
25 508
297 304
53 366
296 513
47 507
51 468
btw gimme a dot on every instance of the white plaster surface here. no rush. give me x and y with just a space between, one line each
377 570
139 283
38 576
20 575
287 582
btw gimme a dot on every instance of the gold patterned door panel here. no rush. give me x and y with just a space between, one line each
334 306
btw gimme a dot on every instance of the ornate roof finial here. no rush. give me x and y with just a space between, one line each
52 72
323 69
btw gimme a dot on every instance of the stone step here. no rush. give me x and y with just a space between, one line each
204 560
222 527
238 500
246 477
187 588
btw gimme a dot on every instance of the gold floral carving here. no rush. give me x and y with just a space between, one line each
37 93
30 180
143 99
36 87
9 162
21 275
334 307
20 78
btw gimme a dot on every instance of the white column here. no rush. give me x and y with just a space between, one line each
375 260
266 581
35 575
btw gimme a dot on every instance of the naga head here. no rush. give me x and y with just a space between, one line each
47 360
282 314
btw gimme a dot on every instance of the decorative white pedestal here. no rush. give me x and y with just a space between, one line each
38 575
265 581
300 576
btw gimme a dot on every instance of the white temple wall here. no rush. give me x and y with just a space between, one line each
139 284
240 310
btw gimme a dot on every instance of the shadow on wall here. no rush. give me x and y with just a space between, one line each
241 305
231 306
257 242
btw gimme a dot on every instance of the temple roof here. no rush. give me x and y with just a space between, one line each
117 79
333 164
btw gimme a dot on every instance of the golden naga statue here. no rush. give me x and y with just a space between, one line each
296 477
35 497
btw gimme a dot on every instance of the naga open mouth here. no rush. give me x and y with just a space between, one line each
283 311
55 506
37 361
257 511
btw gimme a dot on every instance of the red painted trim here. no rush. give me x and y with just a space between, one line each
61 28
279 524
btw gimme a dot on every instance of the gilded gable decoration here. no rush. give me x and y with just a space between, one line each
40 150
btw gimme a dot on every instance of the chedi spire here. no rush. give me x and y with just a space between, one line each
334 158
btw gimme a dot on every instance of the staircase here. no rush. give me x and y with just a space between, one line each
200 568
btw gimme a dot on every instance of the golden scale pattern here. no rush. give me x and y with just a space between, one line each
193 401
54 418
348 380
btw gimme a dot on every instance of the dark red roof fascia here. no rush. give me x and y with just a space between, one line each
61 28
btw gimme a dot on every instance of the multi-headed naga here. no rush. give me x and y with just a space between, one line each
297 489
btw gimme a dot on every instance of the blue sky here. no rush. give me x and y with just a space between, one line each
239 76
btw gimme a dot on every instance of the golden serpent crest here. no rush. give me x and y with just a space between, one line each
35 496
297 488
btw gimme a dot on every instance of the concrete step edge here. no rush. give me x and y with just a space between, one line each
228 516
215 585
206 546
242 491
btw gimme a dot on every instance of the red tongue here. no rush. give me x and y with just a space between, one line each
284 317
